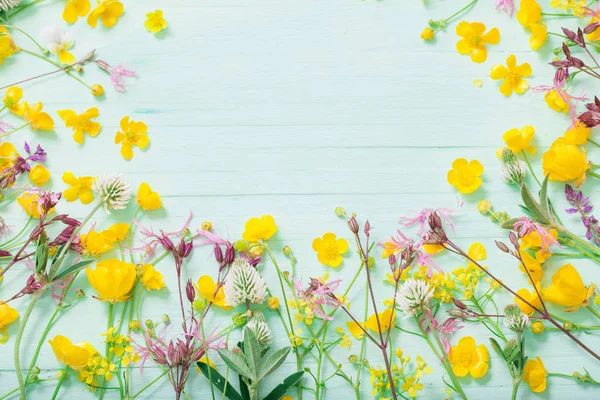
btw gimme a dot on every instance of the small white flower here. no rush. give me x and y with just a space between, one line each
514 170
244 284
58 43
113 191
258 325
515 319
6 5
413 295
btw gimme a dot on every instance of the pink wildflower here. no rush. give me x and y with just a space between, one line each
395 245
559 80
151 240
526 225
317 295
117 74
445 330
5 127
422 218
508 6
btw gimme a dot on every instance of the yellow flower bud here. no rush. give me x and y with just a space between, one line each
428 34
97 90
286 250
568 325
399 353
206 226
273 303
484 207
537 327
134 325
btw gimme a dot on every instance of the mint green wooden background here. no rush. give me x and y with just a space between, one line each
292 108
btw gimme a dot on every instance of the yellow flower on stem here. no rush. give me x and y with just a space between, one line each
116 232
535 375
75 9
529 13
474 40
81 123
207 289
36 118
555 101
428 34
567 289
387 320
8 315
151 278
512 76
578 134
330 249
533 266
108 11
565 162
75 356
539 36
412 386
133 134
468 358
147 199
112 279
531 297
39 175
81 188
155 22
7 45
8 155
355 329
95 243
518 140
465 175
12 100
29 202
261 228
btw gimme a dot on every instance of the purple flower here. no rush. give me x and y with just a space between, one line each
582 206
317 295
117 74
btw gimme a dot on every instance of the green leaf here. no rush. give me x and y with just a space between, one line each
496 346
252 351
41 254
544 202
236 362
244 388
219 381
509 224
533 207
284 386
72 269
55 258
272 362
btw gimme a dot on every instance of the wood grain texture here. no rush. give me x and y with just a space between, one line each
293 108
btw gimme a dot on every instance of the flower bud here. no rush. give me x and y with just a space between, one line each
229 254
149 324
339 211
239 319
286 250
353 225
97 90
353 359
165 318
428 34
503 247
367 228
206 226
218 253
199 305
537 327
484 207
568 325
273 303
459 303
134 325
190 292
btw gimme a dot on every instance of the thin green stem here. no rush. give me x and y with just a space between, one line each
597 145
19 337
592 173
515 389
593 311
109 324
60 382
15 237
9 393
530 168
142 390
279 275
465 8
42 49
558 15
14 130
58 66
24 7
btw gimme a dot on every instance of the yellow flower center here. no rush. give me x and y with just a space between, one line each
466 179
475 40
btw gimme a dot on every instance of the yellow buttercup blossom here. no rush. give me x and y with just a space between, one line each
468 358
533 266
512 76
7 44
567 289
529 13
81 188
565 162
108 11
330 249
116 232
147 199
578 134
535 375
428 34
151 278
556 102
531 297
8 315
465 175
29 202
75 356
412 386
477 252
155 22
206 288
39 175
12 100
431 248
473 40
261 228
273 303
355 329
81 123
112 279
387 320
537 328
36 118
518 140
95 243
539 36
8 155
132 134
75 9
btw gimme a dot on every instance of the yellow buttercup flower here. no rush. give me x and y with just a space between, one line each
533 266
147 199
151 278
531 297
81 188
468 358
529 13
412 386
133 134
7 44
261 228
535 375
112 279
578 134
474 40
75 9
539 36
97 90
8 155
108 11
116 232
387 320
355 329
567 289
39 175
273 303
29 202
8 315
431 248
207 289
12 100
36 118
556 102
465 175
75 356
330 249
565 162
512 76
428 34
95 243
518 140
477 252
81 123
155 21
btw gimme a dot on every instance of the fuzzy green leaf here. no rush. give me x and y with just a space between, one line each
72 269
236 362
284 386
496 346
252 351
533 206
219 381
41 254
509 224
544 202
272 362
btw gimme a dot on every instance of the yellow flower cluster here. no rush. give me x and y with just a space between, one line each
32 115
108 11
120 347
97 243
530 16
468 277
405 379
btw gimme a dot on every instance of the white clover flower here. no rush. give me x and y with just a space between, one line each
413 296
6 5
258 325
244 284
113 191
515 319
514 170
